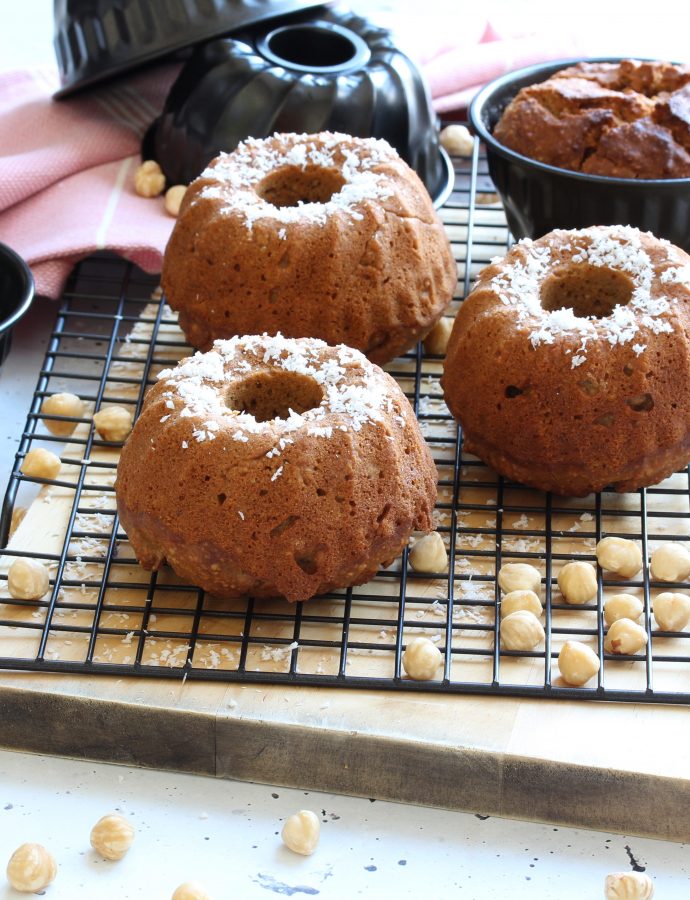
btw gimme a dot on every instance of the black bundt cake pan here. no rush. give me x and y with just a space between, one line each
538 197
331 72
16 294
96 39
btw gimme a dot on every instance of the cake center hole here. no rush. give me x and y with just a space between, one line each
271 395
292 186
587 290
312 46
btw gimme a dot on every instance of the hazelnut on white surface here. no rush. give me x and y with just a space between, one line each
578 582
577 663
301 832
628 886
113 423
149 180
428 554
41 463
518 577
517 600
521 630
625 636
436 341
112 836
457 140
191 890
672 611
622 606
670 562
421 659
173 199
62 405
31 868
27 579
620 556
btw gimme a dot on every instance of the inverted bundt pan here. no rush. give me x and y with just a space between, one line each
96 39
538 197
334 72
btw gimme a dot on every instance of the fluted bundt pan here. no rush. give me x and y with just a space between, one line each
331 72
95 39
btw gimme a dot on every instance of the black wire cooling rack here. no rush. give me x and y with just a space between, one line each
104 615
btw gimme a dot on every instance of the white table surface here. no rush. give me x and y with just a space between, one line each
225 833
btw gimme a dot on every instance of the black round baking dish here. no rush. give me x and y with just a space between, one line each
16 294
334 72
538 197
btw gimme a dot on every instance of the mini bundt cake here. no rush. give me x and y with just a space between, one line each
625 120
568 366
324 236
273 467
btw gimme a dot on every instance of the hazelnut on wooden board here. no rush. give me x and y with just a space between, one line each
577 663
671 611
113 423
41 463
620 556
578 582
31 868
622 606
428 554
191 890
149 180
628 886
62 405
436 342
457 140
670 562
518 577
625 637
517 600
27 579
521 630
112 836
421 659
301 832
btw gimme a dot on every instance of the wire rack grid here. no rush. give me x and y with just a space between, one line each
103 614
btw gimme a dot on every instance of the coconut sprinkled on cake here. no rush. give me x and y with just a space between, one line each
236 175
618 248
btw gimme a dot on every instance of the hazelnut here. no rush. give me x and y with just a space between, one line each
191 890
27 579
428 554
578 582
301 832
521 630
628 886
62 405
577 663
670 562
457 140
519 577
622 606
41 463
620 556
173 199
112 836
625 636
672 611
113 423
516 600
149 180
31 868
421 659
436 341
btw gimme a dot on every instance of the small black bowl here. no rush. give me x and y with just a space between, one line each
538 198
16 294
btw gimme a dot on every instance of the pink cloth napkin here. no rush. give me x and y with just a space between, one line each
67 167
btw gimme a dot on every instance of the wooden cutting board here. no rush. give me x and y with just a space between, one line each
619 767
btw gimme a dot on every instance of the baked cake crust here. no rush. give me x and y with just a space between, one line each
324 236
272 467
569 363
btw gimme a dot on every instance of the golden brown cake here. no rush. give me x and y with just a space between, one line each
323 236
274 467
569 363
626 120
